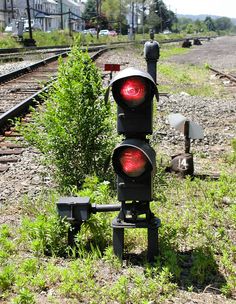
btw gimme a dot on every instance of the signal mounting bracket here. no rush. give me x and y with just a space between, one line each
129 217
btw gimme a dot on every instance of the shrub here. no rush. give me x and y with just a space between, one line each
74 128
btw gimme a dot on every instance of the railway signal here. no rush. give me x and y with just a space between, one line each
134 160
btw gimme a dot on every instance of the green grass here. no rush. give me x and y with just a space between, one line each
167 51
194 80
7 41
197 231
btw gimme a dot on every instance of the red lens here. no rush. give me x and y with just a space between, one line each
133 162
133 91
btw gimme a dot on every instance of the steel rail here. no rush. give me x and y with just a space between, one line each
23 106
19 72
46 49
229 76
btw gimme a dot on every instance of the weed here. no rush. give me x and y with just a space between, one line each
7 277
190 79
169 51
8 42
74 107
204 267
7 246
24 297
231 159
47 235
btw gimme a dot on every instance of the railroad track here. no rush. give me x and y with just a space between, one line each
18 91
221 74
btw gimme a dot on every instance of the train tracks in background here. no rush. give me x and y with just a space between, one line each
18 91
220 74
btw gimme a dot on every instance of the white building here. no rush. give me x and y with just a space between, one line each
46 12
2 14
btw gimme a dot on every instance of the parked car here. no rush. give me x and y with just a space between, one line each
104 33
35 25
9 28
166 32
91 31
112 33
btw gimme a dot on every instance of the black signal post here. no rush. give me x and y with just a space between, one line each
152 54
134 160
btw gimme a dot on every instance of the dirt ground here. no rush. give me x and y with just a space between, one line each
218 53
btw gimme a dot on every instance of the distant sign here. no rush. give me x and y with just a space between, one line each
112 67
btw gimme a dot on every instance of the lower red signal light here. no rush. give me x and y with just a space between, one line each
133 91
133 162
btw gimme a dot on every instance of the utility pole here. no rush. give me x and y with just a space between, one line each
143 17
120 16
61 15
132 21
70 25
12 10
29 19
30 41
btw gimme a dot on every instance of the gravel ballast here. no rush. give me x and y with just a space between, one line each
217 118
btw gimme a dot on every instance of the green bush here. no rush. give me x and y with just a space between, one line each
74 128
51 39
7 41
46 235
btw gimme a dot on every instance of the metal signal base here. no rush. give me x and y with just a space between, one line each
136 215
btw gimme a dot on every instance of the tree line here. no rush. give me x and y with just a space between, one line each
144 15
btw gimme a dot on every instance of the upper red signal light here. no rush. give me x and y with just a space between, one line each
133 91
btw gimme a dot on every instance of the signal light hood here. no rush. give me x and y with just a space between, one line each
140 145
131 72
128 72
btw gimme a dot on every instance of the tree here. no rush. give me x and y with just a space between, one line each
210 24
160 18
199 26
90 9
115 12
74 131
93 15
223 24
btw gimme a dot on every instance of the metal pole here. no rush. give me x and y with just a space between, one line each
120 16
143 17
186 135
12 10
161 18
62 27
118 242
132 8
29 19
69 20
97 8
153 248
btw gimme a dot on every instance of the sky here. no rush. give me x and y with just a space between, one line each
225 8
